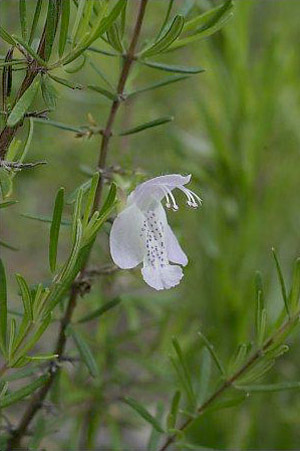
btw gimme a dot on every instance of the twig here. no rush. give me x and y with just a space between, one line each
230 381
9 165
37 400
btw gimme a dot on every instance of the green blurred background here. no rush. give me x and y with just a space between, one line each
236 130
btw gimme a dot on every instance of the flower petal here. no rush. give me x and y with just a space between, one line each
152 190
174 251
126 247
162 278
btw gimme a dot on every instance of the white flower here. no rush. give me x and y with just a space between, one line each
141 233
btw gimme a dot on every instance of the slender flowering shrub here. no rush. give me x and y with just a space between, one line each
84 348
141 233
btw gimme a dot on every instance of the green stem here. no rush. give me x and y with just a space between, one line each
37 400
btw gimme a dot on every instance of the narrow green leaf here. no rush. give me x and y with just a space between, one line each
35 20
12 335
101 27
6 185
43 357
295 290
8 246
159 84
77 65
154 438
269 387
212 353
29 49
6 36
115 39
51 24
172 417
23 18
26 296
23 103
8 203
34 338
16 396
26 148
277 351
169 36
104 24
102 75
172 68
55 228
78 18
23 373
144 413
205 372
90 199
146 125
85 352
110 199
48 92
103 52
101 310
260 312
238 358
77 212
60 125
185 373
256 372
64 82
282 283
46 219
13 150
64 26
3 308
108 94
167 16
85 20
227 403
214 24
205 20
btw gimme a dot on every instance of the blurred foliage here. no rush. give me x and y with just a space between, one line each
236 130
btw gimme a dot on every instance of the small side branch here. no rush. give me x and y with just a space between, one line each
14 165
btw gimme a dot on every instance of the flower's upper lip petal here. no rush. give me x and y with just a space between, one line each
153 189
170 180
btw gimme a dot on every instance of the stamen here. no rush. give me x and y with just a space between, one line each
168 195
168 204
174 206
191 197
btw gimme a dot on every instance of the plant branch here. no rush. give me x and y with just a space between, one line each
39 397
8 133
232 379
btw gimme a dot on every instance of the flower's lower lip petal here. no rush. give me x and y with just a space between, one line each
162 278
125 246
174 251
